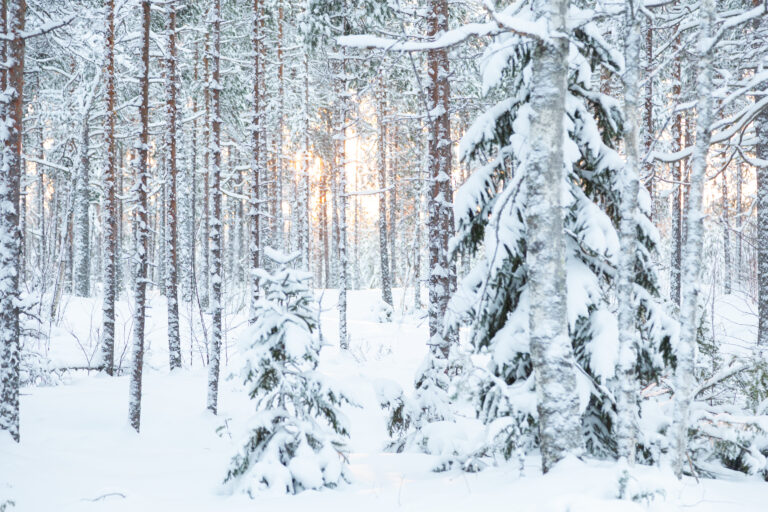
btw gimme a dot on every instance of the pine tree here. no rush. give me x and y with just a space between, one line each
141 228
295 438
110 220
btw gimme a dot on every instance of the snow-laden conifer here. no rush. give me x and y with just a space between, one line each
295 438
491 211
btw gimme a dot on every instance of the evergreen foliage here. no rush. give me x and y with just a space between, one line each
295 438
490 213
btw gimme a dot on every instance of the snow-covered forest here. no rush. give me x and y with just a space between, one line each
383 254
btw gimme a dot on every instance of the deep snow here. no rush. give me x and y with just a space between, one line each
78 452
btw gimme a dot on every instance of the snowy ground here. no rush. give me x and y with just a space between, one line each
78 453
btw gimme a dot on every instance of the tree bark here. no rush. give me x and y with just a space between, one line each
626 402
692 249
254 205
442 268
386 283
10 238
215 215
551 351
141 228
171 235
110 219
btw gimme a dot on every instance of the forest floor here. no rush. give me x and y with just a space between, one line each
79 454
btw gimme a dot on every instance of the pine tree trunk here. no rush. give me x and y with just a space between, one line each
675 263
727 269
204 288
254 206
215 216
141 229
304 236
442 269
551 351
692 249
386 284
761 152
10 240
110 219
393 206
171 235
278 235
739 225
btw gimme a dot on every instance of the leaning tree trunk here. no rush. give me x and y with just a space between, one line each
171 235
141 230
110 219
10 237
692 248
551 351
215 215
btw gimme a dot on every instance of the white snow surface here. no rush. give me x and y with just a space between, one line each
78 453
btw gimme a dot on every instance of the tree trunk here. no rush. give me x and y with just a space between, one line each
551 351
9 224
141 229
761 152
171 235
626 402
692 249
204 288
677 176
215 215
341 198
386 283
442 269
82 250
254 206
727 269
110 219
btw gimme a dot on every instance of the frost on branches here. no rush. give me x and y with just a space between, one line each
295 438
491 209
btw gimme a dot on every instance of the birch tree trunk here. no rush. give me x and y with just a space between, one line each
82 225
171 235
551 351
141 229
110 219
626 404
386 282
341 196
692 249
215 214
10 238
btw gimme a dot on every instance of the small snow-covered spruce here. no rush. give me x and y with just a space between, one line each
295 438
490 213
